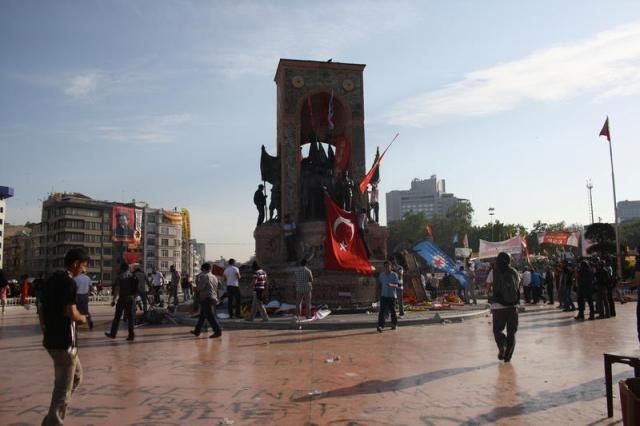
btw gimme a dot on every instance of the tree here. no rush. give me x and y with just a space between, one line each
408 229
630 233
604 237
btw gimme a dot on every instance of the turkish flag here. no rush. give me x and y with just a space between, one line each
605 130
343 247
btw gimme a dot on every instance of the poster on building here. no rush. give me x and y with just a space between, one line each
126 223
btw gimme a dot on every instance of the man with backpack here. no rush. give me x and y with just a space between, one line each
505 295
125 289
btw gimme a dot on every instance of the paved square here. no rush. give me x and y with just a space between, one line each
417 375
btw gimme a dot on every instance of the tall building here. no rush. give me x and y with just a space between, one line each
5 192
427 195
15 250
151 237
628 210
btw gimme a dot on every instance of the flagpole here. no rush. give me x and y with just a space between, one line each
615 211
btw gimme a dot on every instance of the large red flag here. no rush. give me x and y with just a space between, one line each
605 130
343 248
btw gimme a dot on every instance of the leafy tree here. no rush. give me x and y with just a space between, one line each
408 229
630 233
604 237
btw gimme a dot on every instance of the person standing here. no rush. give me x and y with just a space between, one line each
5 289
548 282
399 270
259 292
185 283
207 287
304 280
232 276
260 200
83 283
58 318
140 276
173 285
374 203
24 290
289 230
504 298
536 287
388 285
125 289
362 229
157 280
526 285
567 284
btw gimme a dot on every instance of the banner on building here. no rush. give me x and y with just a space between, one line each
561 238
186 224
126 223
489 249
174 218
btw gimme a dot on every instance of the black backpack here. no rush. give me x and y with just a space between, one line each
506 289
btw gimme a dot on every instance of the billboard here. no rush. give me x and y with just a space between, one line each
489 249
126 224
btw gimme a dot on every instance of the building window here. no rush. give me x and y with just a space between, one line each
151 241
164 253
106 276
106 264
107 251
164 242
150 253
176 253
164 265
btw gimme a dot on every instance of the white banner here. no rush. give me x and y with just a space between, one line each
489 249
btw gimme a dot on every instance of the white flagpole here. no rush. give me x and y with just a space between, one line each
615 208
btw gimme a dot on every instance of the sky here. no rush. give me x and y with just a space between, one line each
168 102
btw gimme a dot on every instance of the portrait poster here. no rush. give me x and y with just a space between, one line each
126 223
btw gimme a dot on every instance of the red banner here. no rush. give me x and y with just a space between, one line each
562 238
343 247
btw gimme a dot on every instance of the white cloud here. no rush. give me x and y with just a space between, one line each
82 85
145 130
604 65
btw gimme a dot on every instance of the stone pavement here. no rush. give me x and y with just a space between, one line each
416 375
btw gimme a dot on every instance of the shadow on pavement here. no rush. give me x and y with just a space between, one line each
381 386
589 391
301 339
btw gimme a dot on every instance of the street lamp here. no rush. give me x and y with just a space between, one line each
491 213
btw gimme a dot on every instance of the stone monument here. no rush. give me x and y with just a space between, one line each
320 147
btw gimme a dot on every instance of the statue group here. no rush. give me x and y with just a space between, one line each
318 175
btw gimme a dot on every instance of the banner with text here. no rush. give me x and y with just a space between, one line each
489 249
562 238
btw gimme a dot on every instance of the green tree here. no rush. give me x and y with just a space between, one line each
604 237
630 233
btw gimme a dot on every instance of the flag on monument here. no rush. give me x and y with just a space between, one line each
365 181
330 112
605 130
438 259
343 247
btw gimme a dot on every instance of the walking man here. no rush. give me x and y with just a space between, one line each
304 280
125 289
232 276
58 318
259 292
399 270
585 290
83 283
207 285
140 276
505 295
388 285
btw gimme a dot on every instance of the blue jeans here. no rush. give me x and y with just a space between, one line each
68 375
387 304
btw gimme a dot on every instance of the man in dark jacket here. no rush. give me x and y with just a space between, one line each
504 298
125 288
585 290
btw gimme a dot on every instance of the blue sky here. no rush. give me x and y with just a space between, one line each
169 101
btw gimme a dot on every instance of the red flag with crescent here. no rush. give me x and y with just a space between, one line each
343 247
343 152
605 130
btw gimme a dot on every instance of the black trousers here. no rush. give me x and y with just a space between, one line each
387 304
126 305
208 312
505 317
585 294
233 301
612 306
550 292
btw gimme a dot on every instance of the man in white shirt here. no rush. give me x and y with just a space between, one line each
157 279
83 284
526 285
232 277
